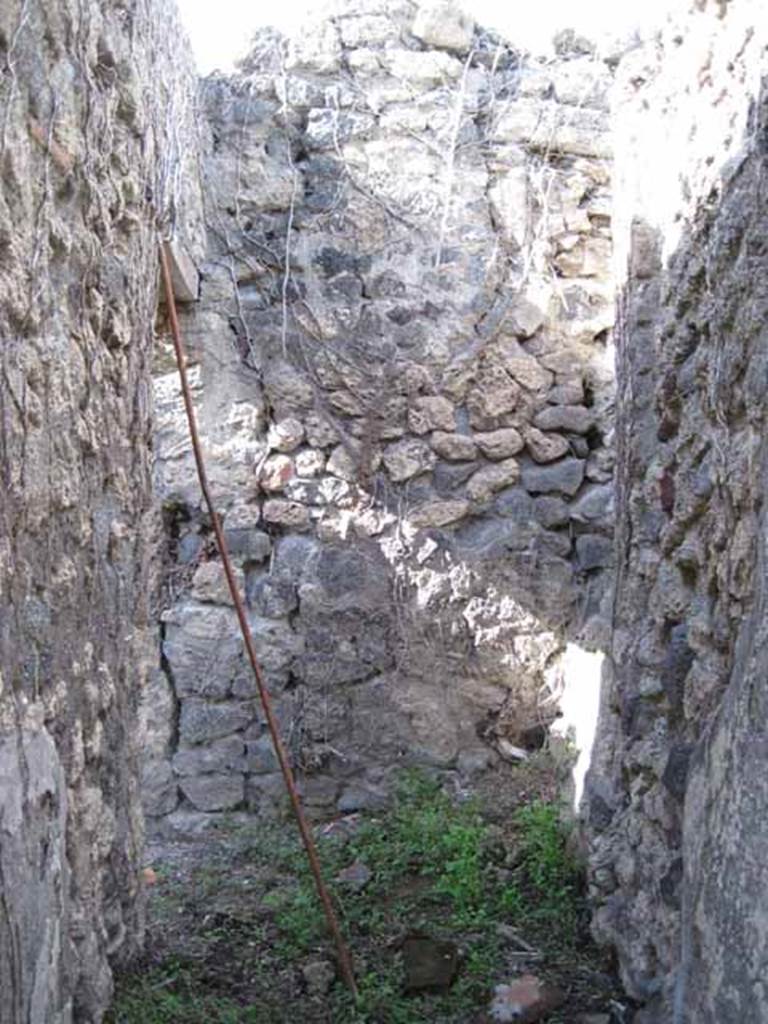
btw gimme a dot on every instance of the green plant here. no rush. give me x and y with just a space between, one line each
436 866
548 869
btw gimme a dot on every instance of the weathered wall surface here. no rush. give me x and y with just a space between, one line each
82 178
678 801
404 378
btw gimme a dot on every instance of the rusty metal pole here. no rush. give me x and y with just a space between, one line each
345 960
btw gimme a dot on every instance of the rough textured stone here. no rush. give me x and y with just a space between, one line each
490 479
405 459
203 721
683 820
276 472
219 756
455 447
545 447
442 24
564 477
431 413
286 435
84 139
499 444
209 584
575 418
285 513
438 513
214 792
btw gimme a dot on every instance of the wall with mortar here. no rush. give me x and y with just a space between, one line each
404 376
677 796
82 179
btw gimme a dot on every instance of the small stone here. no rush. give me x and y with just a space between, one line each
600 465
487 402
215 792
407 458
224 755
202 721
438 513
209 584
271 596
594 551
319 976
276 472
447 478
286 388
594 1018
524 367
545 447
525 318
575 418
285 513
320 433
319 791
473 763
356 876
342 464
248 545
443 25
551 512
454 447
431 412
361 798
594 506
564 477
566 394
430 964
260 756
525 1001
485 482
286 435
309 463
500 444
266 795
510 752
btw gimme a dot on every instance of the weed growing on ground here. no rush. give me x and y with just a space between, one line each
436 867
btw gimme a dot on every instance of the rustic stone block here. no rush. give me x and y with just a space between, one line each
564 477
499 444
215 792
485 482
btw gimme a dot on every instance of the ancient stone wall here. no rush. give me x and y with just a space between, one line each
90 153
403 370
677 797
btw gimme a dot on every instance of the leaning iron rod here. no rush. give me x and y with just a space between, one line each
345 960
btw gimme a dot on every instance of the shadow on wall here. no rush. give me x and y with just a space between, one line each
403 371
678 800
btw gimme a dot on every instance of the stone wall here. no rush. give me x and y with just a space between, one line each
89 158
677 795
403 369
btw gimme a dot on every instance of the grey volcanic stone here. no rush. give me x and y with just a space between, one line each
594 506
564 477
261 756
202 721
225 755
214 792
594 551
552 512
499 444
574 418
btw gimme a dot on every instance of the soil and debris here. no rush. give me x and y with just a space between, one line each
454 915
